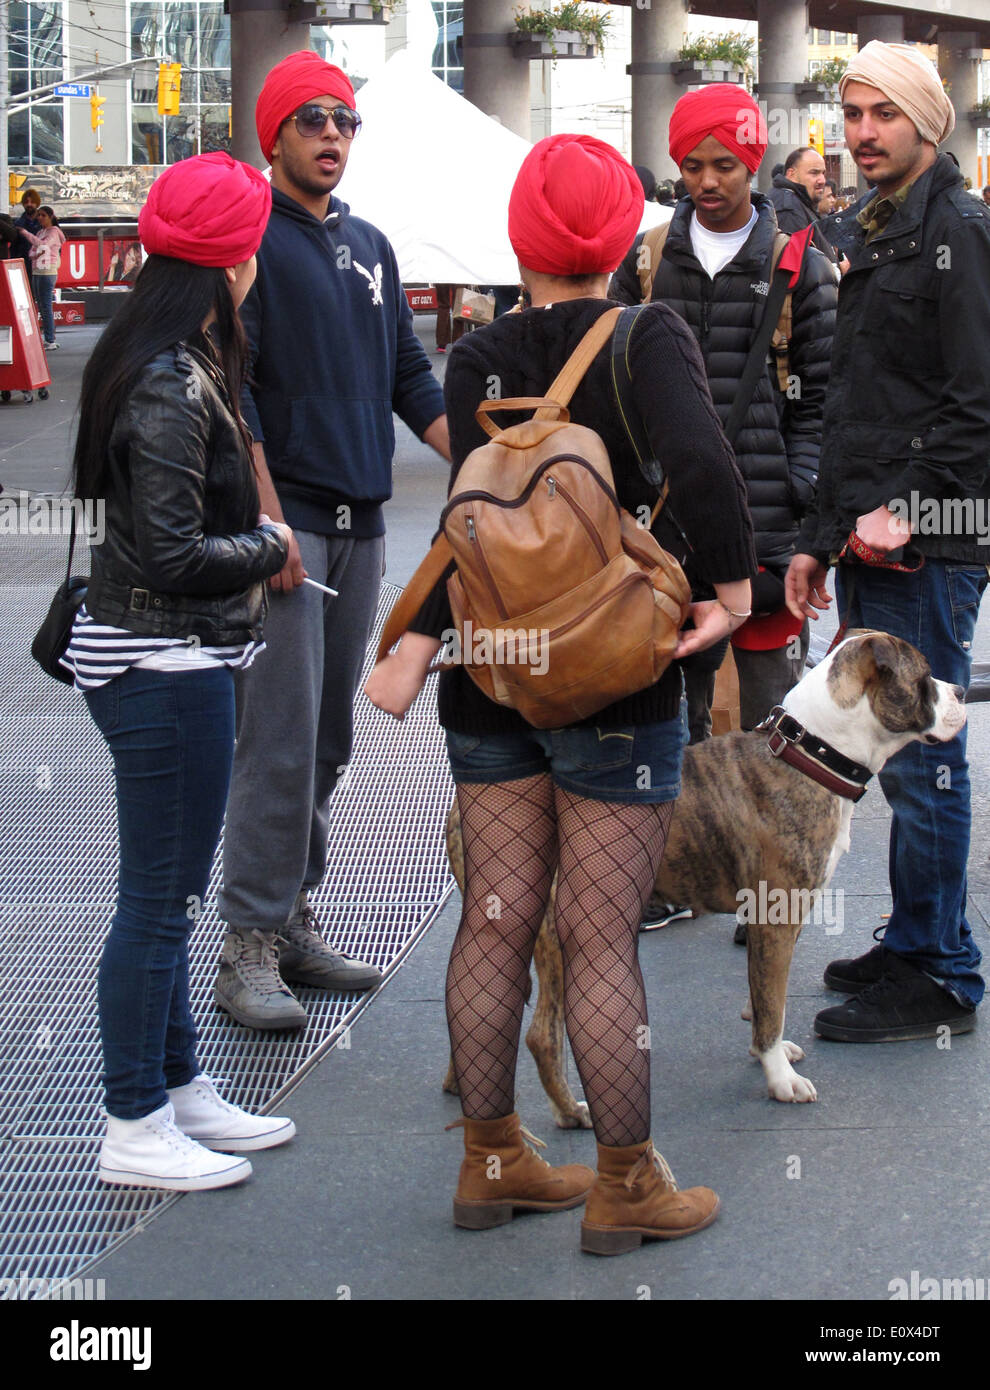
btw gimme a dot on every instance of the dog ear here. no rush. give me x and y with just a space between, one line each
883 650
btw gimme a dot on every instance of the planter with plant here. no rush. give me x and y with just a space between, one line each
828 74
344 12
715 58
567 31
980 114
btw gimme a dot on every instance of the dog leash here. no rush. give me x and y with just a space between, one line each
856 552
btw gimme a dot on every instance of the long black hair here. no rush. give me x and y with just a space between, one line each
169 303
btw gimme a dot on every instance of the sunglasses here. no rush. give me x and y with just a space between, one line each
311 121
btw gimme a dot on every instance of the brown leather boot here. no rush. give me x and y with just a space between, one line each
502 1174
636 1196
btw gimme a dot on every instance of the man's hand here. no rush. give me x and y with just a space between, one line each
882 530
292 576
711 624
804 587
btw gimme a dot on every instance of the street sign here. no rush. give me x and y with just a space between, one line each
73 89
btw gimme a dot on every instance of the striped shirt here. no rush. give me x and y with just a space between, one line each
97 653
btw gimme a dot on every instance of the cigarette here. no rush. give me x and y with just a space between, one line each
334 593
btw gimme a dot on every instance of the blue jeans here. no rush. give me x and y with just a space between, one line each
44 290
927 787
172 740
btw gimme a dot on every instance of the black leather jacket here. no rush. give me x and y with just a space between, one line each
907 416
183 555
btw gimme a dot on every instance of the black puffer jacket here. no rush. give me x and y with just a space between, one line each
908 408
793 206
183 555
778 459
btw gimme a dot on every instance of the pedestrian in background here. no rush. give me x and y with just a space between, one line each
46 259
176 600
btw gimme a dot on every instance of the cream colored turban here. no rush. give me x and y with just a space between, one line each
910 80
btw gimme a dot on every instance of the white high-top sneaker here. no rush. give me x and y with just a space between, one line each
154 1152
213 1122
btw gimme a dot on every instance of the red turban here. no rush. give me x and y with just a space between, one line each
211 210
575 207
291 83
726 111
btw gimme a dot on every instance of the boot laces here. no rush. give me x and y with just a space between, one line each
173 1136
534 1144
649 1157
258 964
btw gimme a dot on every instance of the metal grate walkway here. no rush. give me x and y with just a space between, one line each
387 880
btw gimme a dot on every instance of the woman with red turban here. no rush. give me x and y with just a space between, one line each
175 603
591 802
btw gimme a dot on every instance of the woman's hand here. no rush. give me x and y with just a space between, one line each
396 681
717 618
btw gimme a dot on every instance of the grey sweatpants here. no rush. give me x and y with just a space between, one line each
295 729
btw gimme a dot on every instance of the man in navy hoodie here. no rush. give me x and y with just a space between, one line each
333 353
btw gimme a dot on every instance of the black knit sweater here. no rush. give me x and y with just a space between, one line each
519 355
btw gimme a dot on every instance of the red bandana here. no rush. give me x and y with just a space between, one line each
291 83
726 111
210 209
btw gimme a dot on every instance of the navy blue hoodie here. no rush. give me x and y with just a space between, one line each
333 353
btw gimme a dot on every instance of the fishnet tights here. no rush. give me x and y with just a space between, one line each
609 854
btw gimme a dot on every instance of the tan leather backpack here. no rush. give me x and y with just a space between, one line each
561 602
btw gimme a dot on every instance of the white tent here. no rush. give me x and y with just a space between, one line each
435 173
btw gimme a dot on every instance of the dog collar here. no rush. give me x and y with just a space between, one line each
813 756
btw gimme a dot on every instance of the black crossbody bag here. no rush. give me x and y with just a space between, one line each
55 632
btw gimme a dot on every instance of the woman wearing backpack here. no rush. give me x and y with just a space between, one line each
575 800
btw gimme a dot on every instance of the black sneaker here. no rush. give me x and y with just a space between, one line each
904 1003
850 976
658 913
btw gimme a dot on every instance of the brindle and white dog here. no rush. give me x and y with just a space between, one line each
746 818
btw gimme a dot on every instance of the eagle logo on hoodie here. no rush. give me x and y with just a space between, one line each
374 281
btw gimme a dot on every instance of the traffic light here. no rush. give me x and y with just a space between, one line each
816 136
169 83
96 104
17 182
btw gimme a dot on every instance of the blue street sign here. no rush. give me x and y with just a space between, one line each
73 89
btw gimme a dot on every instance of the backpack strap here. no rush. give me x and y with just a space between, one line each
780 341
569 377
648 265
415 594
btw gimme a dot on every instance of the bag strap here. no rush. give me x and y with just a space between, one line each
415 594
72 545
568 379
654 240
756 362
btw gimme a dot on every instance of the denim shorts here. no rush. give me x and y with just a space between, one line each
634 763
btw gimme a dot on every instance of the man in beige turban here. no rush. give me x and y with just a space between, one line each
903 511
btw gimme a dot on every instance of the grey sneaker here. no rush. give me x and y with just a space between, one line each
249 986
306 959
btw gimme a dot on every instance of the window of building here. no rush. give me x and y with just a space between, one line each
842 40
195 33
36 135
824 36
448 56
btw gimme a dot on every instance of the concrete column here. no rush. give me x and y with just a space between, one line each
495 80
658 33
887 27
783 66
960 72
261 35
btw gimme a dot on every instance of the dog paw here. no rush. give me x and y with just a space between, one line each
783 1082
793 1088
792 1052
578 1118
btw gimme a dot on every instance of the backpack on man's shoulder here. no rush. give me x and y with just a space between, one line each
648 256
561 601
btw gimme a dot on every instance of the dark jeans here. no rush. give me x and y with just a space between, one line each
927 787
172 740
44 290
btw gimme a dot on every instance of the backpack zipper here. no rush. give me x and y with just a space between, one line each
472 534
477 494
553 486
623 584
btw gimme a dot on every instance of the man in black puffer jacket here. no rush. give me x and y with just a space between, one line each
715 272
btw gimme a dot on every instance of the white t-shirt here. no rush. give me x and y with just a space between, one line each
716 249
